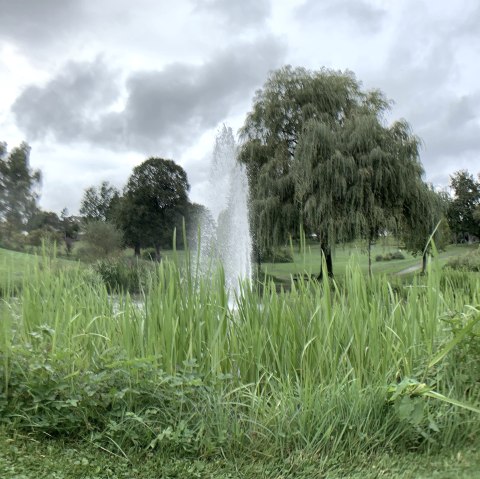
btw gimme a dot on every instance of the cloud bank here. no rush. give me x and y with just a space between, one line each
163 108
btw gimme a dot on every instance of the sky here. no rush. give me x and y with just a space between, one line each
97 87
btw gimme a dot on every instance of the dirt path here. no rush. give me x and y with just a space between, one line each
411 269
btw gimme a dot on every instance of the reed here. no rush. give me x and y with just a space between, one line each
190 365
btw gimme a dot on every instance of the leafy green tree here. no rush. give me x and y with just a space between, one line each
43 227
462 213
46 220
319 155
98 202
153 203
18 184
70 228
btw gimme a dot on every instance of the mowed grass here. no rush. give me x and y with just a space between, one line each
308 262
28 458
14 265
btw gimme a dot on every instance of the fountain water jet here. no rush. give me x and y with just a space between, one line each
225 234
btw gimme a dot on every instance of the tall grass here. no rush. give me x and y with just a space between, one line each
191 367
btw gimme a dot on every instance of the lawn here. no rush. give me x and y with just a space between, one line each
309 262
24 457
14 264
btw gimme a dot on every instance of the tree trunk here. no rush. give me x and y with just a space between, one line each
158 256
369 257
136 249
329 261
257 256
327 253
424 262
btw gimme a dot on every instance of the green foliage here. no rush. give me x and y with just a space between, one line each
46 220
40 236
319 156
467 262
98 203
463 208
18 183
154 201
11 238
148 254
124 274
425 221
396 255
277 255
101 240
276 374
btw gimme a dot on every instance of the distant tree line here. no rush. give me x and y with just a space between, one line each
144 215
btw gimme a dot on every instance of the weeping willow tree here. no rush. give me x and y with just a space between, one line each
424 220
320 156
354 179
269 139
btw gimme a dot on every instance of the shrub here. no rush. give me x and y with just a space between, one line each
148 254
390 256
102 239
282 255
467 262
124 274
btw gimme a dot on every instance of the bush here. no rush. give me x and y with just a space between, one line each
132 402
12 240
102 239
124 274
390 256
282 255
148 254
467 262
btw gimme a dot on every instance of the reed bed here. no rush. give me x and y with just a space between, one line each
191 368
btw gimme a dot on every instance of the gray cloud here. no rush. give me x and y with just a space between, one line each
423 73
34 23
237 14
165 109
66 106
455 131
365 17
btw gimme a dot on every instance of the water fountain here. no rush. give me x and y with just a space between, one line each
225 231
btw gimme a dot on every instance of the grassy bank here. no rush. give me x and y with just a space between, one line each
27 458
14 265
328 373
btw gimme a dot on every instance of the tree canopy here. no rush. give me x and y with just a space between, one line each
463 210
99 202
18 183
320 155
153 202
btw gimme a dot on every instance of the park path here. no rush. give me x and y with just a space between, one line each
410 269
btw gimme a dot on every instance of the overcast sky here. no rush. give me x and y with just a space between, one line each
96 87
